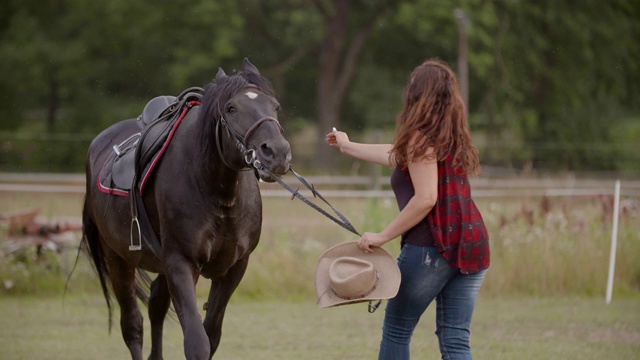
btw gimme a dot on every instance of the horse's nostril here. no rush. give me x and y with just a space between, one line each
266 150
275 156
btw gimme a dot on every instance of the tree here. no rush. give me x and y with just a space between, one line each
326 36
73 66
564 72
551 82
346 33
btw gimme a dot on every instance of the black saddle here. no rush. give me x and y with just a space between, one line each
155 108
134 157
132 161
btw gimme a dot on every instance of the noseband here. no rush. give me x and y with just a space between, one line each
253 128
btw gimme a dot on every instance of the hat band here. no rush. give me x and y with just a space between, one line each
363 295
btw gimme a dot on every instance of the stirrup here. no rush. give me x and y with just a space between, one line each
132 246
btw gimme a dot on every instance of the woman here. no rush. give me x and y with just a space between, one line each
445 246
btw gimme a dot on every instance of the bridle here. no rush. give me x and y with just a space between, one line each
253 163
249 155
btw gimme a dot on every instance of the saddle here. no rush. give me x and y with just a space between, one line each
154 109
136 157
131 162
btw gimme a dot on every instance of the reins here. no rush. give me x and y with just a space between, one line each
253 162
342 221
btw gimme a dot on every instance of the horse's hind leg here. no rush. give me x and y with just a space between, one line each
219 295
159 302
123 281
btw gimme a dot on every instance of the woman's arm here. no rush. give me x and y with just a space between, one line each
374 153
424 176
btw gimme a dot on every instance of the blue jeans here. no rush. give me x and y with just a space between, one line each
426 275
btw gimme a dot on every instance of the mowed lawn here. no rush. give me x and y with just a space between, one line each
273 314
503 328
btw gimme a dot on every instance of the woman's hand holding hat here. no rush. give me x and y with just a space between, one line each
369 240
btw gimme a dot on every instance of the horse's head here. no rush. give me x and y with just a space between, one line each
246 125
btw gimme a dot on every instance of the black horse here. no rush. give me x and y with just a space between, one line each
204 206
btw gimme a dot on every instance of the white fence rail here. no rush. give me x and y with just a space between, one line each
358 186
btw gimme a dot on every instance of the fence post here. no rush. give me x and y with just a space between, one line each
614 241
376 172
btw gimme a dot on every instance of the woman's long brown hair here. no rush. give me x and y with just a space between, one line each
434 107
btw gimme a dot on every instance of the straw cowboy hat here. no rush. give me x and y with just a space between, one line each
346 274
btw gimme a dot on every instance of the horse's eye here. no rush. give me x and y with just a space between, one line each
278 108
231 109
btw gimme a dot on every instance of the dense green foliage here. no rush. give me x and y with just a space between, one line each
552 84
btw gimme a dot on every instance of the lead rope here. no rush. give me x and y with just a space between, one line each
371 306
342 221
252 160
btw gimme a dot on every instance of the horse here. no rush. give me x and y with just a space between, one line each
203 204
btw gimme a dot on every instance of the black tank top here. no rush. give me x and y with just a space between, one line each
403 189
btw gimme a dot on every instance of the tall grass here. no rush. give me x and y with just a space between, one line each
539 247
563 250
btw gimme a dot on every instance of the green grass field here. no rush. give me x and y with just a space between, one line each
543 297
503 328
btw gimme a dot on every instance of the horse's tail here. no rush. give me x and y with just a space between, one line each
91 244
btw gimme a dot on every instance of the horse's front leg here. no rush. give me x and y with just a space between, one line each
159 302
181 279
219 295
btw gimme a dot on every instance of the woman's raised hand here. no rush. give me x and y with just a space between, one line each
337 138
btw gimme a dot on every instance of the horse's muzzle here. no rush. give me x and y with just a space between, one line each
275 160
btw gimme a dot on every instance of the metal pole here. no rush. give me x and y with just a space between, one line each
614 241
463 71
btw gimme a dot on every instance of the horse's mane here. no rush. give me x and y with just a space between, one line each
216 96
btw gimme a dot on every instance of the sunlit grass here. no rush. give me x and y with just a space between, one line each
504 328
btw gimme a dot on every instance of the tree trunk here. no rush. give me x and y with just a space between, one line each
328 102
338 59
52 109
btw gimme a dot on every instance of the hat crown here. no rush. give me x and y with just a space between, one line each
352 278
345 275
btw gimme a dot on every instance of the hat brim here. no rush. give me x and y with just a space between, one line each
387 284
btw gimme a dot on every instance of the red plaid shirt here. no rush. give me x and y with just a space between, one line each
456 225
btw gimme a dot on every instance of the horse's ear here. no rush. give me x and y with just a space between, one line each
220 76
248 67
